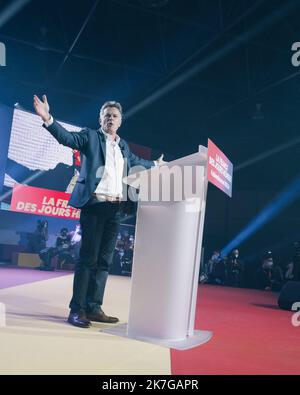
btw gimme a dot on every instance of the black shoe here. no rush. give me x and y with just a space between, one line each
102 317
79 320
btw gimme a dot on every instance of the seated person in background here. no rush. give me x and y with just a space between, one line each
293 269
234 270
63 245
206 271
217 269
289 273
37 240
63 250
269 277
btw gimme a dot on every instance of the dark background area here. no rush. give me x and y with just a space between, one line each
184 71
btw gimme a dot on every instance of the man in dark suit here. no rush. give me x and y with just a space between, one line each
98 193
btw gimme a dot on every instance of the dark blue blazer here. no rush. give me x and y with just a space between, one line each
92 145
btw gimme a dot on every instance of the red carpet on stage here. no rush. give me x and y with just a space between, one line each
251 335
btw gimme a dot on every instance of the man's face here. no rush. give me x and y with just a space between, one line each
268 263
236 253
110 120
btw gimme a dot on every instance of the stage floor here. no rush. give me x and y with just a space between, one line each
251 335
38 340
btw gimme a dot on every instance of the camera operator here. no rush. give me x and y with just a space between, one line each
269 276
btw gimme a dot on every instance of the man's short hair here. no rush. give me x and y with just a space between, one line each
111 103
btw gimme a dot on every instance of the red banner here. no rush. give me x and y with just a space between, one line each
39 201
219 169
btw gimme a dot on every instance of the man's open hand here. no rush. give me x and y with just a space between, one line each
42 107
160 160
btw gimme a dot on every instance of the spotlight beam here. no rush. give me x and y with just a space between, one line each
24 182
11 10
281 201
267 154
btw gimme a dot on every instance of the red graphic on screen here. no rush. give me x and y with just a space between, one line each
40 201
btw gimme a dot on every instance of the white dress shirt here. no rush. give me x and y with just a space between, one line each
111 182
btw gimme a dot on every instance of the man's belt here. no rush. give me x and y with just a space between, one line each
107 198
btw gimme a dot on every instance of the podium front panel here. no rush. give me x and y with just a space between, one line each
166 261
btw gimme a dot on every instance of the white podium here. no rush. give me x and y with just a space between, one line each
167 252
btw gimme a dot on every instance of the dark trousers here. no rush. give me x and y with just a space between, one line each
99 224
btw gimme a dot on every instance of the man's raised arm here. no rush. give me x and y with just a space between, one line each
74 140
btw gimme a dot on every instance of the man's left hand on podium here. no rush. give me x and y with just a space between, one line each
160 161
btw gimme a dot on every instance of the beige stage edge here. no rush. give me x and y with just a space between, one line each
38 340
